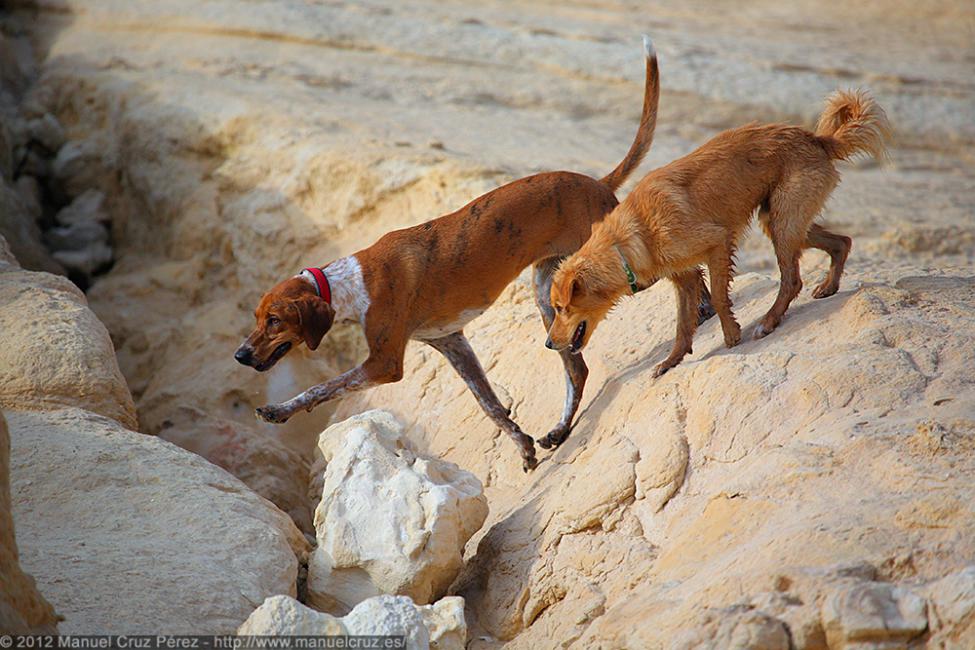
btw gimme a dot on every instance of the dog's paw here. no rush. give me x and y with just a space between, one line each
661 369
732 336
273 413
824 290
554 438
760 332
527 444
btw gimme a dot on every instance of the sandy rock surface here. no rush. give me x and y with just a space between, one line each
439 626
55 351
739 493
22 609
129 534
389 521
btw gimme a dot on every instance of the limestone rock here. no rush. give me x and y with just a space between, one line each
86 261
7 260
951 610
439 626
879 614
248 451
6 153
56 352
389 521
126 533
283 615
22 609
392 616
17 226
80 166
737 630
30 193
76 237
445 622
48 132
87 206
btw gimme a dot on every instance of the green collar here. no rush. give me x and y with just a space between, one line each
630 277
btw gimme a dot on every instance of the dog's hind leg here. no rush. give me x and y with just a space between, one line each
456 348
720 267
576 370
787 218
688 292
838 247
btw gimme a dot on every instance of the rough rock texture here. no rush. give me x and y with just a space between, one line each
446 624
283 615
951 609
22 609
22 234
236 145
439 626
55 351
389 521
128 534
873 613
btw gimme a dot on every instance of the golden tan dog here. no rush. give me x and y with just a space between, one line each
427 282
693 210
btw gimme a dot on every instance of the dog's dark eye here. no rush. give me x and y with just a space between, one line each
272 321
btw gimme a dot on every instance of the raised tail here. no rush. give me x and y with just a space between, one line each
853 123
648 122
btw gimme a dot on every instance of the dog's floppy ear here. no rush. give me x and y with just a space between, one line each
577 287
315 316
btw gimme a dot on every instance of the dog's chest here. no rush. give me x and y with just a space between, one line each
429 332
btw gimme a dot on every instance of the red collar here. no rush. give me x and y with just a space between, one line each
322 286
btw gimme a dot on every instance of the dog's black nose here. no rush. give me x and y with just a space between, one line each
548 344
243 355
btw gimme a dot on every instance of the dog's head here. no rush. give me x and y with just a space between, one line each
289 314
580 303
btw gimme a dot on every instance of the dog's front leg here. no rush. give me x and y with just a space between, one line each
384 366
371 373
355 379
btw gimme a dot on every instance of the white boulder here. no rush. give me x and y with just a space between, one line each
440 626
389 521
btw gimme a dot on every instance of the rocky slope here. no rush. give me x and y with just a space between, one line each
123 532
808 487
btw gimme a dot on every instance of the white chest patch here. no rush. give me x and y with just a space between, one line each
431 332
350 299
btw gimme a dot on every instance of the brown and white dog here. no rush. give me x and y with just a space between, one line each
693 210
427 282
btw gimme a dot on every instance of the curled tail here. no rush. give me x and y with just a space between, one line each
648 122
853 123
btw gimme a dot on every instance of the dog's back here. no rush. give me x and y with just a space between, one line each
725 180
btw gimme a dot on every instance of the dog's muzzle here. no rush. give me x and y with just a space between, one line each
244 355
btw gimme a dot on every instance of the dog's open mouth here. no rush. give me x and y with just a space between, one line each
577 338
279 352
